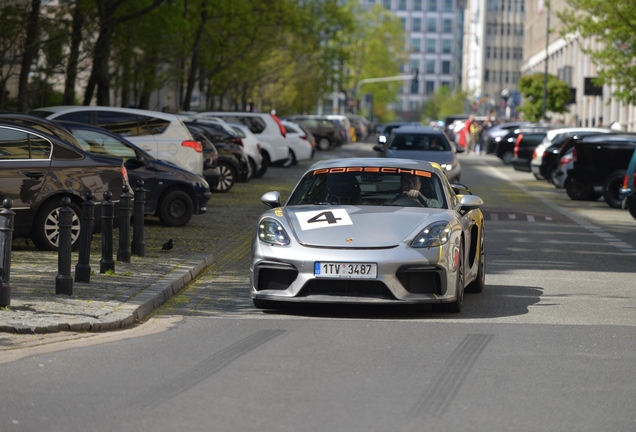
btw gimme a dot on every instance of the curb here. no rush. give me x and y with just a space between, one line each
132 310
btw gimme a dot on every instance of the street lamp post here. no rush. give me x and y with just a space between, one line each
545 73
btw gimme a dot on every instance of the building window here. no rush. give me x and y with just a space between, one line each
414 105
431 45
430 66
494 53
401 5
448 5
508 28
432 5
446 67
399 105
415 64
447 46
448 26
487 52
486 75
415 87
431 25
430 87
403 21
387 4
507 76
507 53
417 25
523 4
502 29
417 5
416 45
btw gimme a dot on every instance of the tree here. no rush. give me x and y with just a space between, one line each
11 37
29 53
531 88
444 103
613 24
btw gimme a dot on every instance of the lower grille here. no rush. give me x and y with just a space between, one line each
347 288
275 278
418 281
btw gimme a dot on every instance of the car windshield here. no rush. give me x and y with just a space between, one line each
418 141
370 186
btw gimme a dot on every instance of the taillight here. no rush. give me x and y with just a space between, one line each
124 173
565 160
535 154
237 140
258 146
304 137
574 155
283 132
626 180
519 138
196 145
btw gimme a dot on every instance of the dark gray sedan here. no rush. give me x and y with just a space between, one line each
424 144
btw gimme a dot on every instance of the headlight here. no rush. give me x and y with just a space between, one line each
447 167
382 139
272 232
436 234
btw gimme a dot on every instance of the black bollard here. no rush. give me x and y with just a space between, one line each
107 262
123 253
6 240
64 281
138 244
83 267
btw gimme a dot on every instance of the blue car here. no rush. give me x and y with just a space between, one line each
627 192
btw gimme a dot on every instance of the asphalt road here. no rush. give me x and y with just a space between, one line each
550 345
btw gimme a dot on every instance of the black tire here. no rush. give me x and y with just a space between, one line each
323 144
293 157
479 283
265 304
175 208
537 176
552 174
290 159
612 184
631 204
261 172
45 232
226 179
458 304
507 157
580 191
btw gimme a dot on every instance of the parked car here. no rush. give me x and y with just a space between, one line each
525 146
386 131
299 144
422 143
495 134
162 135
267 127
600 160
174 194
37 170
550 147
316 247
241 136
233 163
627 192
506 146
327 132
345 125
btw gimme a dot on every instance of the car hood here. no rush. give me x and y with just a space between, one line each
358 227
440 157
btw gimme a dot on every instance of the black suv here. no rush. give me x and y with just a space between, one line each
37 170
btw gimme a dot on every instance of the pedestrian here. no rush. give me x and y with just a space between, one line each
470 143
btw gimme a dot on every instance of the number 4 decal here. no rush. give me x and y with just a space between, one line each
323 219
324 216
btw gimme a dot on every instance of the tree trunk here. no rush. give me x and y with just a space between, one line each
194 60
30 50
73 59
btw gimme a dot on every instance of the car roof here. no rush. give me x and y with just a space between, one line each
416 129
615 137
75 108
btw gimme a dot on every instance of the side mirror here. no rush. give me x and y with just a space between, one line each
461 189
378 148
271 199
470 202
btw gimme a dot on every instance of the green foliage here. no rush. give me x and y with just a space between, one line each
531 87
613 25
443 104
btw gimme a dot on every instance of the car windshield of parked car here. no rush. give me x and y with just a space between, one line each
102 144
421 142
369 187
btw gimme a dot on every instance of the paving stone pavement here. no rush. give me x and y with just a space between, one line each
111 301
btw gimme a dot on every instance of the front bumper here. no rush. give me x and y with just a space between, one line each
405 275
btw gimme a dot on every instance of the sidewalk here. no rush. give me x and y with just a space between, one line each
108 302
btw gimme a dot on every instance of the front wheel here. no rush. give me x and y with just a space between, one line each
46 226
175 208
507 157
458 304
479 283
323 144
611 186
261 172
580 191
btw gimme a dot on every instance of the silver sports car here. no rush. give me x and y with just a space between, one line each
370 230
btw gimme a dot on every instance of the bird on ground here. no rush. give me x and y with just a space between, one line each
167 246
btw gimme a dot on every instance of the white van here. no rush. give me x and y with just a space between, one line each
162 135
267 127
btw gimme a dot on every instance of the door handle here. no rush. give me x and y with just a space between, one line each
34 174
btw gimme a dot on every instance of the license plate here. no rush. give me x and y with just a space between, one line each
346 270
